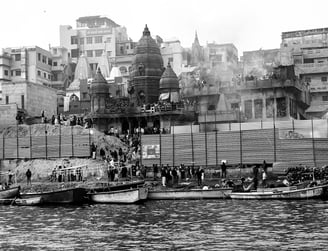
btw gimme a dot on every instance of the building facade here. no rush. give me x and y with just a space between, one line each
93 36
308 51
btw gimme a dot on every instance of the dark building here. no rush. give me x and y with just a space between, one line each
147 69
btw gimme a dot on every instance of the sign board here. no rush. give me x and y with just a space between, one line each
150 152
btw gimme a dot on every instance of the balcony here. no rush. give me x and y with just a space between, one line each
311 68
268 84
220 116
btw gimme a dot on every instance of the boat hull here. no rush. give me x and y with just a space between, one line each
196 194
35 201
127 196
305 193
9 193
64 196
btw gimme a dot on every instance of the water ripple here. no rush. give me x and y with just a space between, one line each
168 225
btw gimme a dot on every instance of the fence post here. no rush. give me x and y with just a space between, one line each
72 141
192 146
173 145
216 144
240 144
17 143
274 138
261 124
3 146
293 126
160 147
90 143
46 139
313 146
205 141
59 140
30 142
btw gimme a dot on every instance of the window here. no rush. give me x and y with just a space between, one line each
23 101
307 79
49 76
108 39
89 40
55 63
84 95
39 73
45 75
12 73
324 98
18 72
324 79
6 72
17 57
89 53
109 53
98 53
49 61
44 59
170 59
74 39
98 39
82 40
39 56
54 51
7 100
75 53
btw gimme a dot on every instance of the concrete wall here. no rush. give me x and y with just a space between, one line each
8 114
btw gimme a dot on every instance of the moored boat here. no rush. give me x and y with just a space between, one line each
127 196
7 201
9 193
33 201
189 194
61 196
285 193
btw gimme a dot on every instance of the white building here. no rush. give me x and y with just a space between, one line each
93 36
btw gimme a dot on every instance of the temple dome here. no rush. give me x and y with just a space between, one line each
148 59
99 84
169 80
82 72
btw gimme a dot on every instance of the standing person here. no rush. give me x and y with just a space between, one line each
93 150
163 175
28 177
155 171
264 174
10 177
255 174
223 170
199 176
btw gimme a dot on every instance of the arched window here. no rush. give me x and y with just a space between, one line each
123 70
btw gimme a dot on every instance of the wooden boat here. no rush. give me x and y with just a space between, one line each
284 193
60 196
9 193
7 201
34 201
189 194
127 196
115 186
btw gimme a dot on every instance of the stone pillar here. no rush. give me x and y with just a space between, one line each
264 107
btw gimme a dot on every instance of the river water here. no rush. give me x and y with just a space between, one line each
168 225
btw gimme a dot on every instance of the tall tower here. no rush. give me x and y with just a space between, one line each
197 54
147 69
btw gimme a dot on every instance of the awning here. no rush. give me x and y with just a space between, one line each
164 96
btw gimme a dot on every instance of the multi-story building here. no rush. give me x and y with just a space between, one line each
30 63
308 51
62 68
173 53
93 36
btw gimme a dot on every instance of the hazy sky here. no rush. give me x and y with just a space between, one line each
249 24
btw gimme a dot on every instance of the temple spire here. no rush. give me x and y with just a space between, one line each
146 31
